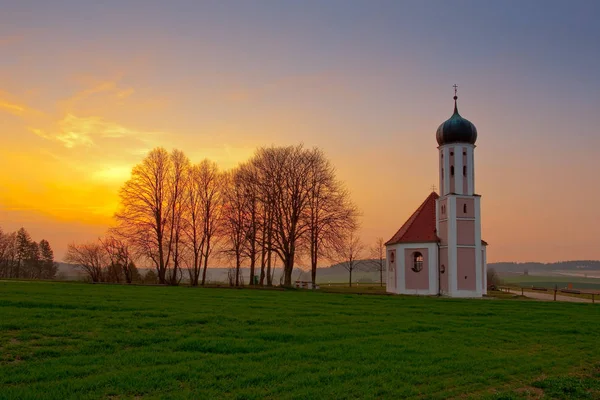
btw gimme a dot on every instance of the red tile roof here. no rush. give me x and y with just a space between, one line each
420 227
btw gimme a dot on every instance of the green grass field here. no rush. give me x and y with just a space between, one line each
550 281
80 341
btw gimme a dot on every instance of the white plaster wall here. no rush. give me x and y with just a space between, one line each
452 266
432 250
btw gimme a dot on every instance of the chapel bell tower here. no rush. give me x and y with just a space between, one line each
458 218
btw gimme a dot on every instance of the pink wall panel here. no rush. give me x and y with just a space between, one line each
416 280
460 208
465 232
443 233
466 269
442 203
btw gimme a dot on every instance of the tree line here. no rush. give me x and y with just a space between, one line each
21 257
282 205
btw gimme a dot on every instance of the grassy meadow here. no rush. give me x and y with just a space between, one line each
83 341
551 280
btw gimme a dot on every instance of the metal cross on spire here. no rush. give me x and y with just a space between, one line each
433 188
455 89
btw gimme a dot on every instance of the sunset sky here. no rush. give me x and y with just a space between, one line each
88 87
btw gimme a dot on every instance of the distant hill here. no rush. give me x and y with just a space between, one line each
364 273
580 265
68 271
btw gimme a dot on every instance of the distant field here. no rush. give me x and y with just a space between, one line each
550 281
80 341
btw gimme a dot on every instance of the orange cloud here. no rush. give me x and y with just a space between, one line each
81 131
12 108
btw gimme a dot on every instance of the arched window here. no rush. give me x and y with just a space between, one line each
452 170
464 208
417 261
443 269
392 256
464 170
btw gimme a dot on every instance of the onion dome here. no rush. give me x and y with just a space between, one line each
456 129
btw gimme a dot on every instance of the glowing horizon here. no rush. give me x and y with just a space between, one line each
87 91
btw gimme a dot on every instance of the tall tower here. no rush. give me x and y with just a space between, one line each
462 263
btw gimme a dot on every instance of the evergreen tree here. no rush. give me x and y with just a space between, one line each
32 262
48 266
23 251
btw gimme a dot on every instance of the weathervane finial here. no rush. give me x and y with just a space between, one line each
455 86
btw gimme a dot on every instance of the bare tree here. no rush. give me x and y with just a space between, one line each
248 179
211 182
120 256
8 253
284 173
90 257
286 201
348 251
194 224
234 220
330 211
176 202
377 254
266 241
144 215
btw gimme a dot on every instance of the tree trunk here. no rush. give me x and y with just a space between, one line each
350 277
204 270
263 258
269 275
288 269
237 268
161 275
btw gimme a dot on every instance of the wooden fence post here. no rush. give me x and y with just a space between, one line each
555 290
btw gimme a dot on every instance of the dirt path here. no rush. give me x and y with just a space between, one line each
550 297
